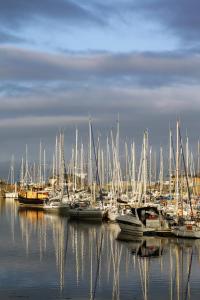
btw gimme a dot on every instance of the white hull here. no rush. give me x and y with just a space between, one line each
130 225
185 233
89 214
56 207
11 195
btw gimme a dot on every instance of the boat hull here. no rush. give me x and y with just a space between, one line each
86 214
184 233
31 201
11 195
60 209
130 225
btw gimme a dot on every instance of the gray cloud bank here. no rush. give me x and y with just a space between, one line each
140 68
38 87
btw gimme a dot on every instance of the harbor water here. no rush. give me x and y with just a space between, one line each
46 256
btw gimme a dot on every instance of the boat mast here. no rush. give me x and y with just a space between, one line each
170 164
155 168
145 149
133 170
40 164
81 165
12 175
90 175
56 160
150 166
161 170
62 164
22 172
44 175
177 165
76 161
198 159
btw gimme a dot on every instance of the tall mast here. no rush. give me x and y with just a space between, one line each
155 167
40 164
198 159
177 165
81 165
144 163
44 175
62 163
12 174
150 166
127 165
170 164
27 177
102 168
22 173
76 160
53 172
34 173
161 170
117 138
133 170
90 157
56 158
107 162
187 154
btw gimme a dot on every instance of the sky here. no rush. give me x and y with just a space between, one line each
63 61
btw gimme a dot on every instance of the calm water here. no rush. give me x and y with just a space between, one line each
44 256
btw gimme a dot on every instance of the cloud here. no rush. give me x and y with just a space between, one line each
148 69
41 121
40 113
6 37
181 17
16 13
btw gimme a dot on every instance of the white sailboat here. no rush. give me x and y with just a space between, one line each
189 227
56 204
11 176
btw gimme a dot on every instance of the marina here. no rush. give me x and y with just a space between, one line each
114 233
100 150
100 184
48 256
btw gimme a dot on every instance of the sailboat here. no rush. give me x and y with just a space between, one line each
11 176
58 203
187 227
86 210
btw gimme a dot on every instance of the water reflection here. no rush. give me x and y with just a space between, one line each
93 261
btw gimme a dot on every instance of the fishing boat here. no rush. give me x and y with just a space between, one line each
32 198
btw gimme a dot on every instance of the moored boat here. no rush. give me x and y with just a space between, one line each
29 198
87 212
130 224
187 230
11 195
